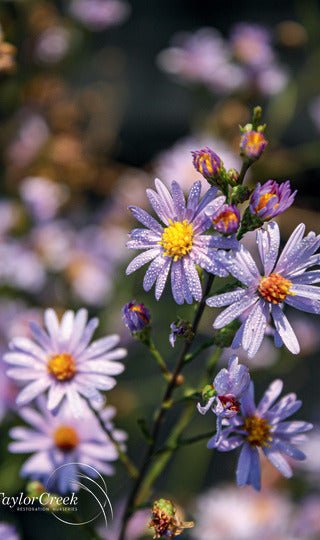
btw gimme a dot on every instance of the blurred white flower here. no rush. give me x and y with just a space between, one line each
43 197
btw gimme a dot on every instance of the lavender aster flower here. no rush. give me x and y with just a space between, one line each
8 532
56 440
179 245
286 280
263 427
135 316
271 199
60 360
226 220
228 387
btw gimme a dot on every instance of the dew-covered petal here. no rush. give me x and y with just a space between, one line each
142 259
307 278
193 197
304 304
177 282
254 328
162 278
268 244
305 291
232 312
145 218
220 300
153 272
179 201
192 278
285 330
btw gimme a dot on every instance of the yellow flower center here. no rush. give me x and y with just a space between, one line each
66 438
275 288
177 239
62 366
258 431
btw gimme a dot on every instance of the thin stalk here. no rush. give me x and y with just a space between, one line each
160 415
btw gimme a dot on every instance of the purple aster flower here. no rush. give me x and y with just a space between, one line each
263 427
226 220
207 163
284 280
252 144
135 316
251 45
8 532
228 387
271 199
56 440
61 361
179 245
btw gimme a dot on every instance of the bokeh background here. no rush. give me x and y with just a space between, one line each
94 103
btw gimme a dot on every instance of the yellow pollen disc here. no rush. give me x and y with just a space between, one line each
66 438
258 431
263 201
275 288
177 239
62 366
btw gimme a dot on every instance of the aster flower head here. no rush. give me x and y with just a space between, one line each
224 396
252 144
286 279
263 428
135 316
8 532
57 440
177 246
59 360
208 163
271 199
226 220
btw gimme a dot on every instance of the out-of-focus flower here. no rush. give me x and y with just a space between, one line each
10 213
8 390
285 280
228 388
31 135
314 110
28 275
43 196
271 199
306 522
9 532
56 440
52 44
7 57
180 329
207 163
252 144
135 316
176 163
136 528
204 58
61 361
180 244
251 44
165 521
53 242
100 14
226 220
262 427
222 513
310 468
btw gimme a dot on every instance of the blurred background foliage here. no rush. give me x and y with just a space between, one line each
89 115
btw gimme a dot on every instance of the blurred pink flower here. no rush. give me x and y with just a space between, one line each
100 14
43 197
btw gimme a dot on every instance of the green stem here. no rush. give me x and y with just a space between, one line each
245 166
159 359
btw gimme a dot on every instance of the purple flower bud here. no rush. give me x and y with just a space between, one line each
271 199
207 163
252 144
227 220
135 316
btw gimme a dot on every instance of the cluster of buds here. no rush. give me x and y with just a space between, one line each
253 141
165 521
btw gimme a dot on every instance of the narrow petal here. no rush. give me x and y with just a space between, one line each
304 304
179 201
142 259
278 461
268 244
33 390
232 312
177 282
193 198
192 278
285 330
306 291
56 393
220 300
153 272
254 478
270 396
254 328
244 464
145 218
162 278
